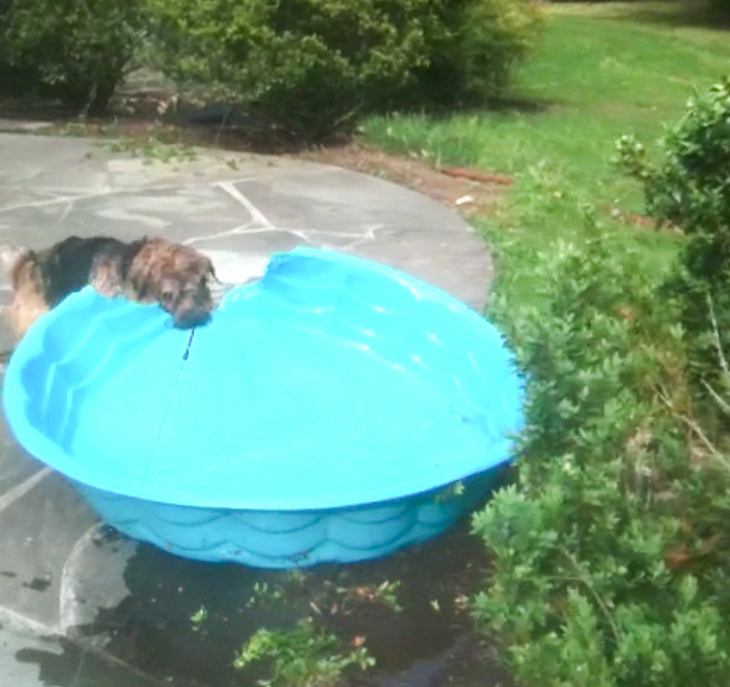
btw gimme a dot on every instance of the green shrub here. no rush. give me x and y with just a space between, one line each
306 68
75 50
608 568
472 58
722 7
610 551
689 187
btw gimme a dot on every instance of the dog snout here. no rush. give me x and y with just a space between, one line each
191 317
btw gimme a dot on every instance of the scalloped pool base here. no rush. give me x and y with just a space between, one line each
289 539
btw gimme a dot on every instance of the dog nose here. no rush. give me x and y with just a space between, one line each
191 318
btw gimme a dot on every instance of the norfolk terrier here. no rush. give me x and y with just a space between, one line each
151 270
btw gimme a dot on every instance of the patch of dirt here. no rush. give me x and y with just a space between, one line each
468 196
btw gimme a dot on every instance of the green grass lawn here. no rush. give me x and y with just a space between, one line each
599 71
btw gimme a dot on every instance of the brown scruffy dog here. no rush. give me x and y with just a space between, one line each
147 271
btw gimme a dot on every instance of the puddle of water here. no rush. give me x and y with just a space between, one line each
426 642
152 629
38 584
74 666
423 673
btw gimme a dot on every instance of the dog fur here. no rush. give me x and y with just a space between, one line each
150 270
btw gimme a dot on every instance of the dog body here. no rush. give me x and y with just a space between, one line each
147 271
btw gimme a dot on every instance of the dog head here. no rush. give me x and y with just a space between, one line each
176 276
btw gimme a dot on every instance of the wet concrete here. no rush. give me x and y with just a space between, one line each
153 627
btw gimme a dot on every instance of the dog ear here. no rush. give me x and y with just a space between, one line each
210 270
140 280
9 256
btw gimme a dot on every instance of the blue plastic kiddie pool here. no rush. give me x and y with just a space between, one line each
321 415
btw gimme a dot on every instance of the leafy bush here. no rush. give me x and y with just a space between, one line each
610 552
689 188
76 50
610 560
474 55
721 6
307 68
